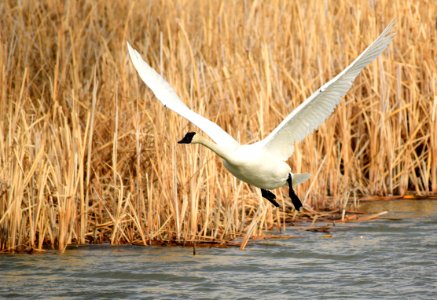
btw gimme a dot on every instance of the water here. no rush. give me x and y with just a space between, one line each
391 258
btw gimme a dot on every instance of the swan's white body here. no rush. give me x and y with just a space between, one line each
263 164
251 164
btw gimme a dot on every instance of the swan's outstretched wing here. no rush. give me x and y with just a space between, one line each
165 93
313 111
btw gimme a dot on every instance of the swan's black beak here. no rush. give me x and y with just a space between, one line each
188 138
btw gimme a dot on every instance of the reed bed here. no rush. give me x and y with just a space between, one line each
87 155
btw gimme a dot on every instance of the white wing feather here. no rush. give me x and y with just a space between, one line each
316 109
167 96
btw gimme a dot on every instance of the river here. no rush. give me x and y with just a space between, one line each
394 257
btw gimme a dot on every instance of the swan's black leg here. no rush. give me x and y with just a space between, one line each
294 199
269 196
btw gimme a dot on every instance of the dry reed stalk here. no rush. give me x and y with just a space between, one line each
88 155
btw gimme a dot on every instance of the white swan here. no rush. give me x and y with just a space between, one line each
263 164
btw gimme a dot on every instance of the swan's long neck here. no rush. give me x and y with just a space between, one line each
220 150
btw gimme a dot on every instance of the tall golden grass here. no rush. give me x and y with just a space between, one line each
87 155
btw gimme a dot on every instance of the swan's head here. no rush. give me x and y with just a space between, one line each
188 138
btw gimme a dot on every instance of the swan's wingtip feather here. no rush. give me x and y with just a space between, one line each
132 52
129 47
135 56
389 30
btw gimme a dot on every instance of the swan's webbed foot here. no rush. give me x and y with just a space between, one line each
269 196
294 198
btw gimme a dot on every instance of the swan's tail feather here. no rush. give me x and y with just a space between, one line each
300 178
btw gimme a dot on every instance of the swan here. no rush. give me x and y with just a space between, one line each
263 164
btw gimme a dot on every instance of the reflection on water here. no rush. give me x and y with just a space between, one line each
399 209
389 258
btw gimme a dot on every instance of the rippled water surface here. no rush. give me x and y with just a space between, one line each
390 258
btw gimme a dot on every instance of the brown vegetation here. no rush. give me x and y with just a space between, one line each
87 155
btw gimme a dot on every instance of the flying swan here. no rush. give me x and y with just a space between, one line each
263 164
